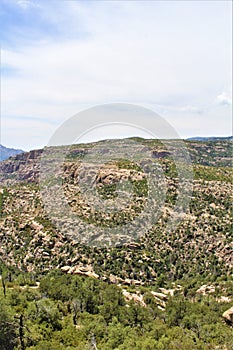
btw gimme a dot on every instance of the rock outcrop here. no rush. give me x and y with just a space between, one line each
228 315
22 167
86 270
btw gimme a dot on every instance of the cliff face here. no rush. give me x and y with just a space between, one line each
21 167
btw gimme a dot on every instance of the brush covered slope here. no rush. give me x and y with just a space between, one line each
162 291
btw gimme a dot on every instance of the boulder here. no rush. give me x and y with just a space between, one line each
228 315
65 269
80 270
136 297
205 289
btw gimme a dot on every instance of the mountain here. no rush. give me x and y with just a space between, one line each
210 138
203 235
8 152
166 289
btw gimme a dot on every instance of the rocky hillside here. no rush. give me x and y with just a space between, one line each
201 244
25 166
161 290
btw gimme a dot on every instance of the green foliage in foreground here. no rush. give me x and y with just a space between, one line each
73 312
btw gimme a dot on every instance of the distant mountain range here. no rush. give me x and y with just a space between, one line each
211 138
8 152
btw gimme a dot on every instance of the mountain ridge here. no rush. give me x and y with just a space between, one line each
210 138
6 152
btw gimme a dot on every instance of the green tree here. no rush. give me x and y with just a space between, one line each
8 326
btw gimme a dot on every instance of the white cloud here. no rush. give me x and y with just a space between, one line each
26 4
160 54
191 109
225 98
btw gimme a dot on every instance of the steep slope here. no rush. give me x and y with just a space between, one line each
163 290
201 244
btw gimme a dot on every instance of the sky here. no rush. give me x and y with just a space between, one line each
59 57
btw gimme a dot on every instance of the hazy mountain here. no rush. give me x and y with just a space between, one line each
210 138
8 152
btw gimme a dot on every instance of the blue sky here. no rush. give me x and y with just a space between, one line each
60 57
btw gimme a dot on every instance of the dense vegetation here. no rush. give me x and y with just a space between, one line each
74 312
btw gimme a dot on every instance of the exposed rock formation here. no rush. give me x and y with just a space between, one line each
228 315
137 297
86 270
205 289
22 167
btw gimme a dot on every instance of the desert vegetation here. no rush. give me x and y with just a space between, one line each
160 291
